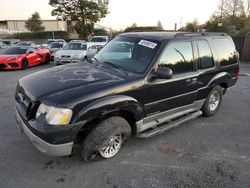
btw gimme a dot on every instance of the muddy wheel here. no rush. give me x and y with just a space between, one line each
105 140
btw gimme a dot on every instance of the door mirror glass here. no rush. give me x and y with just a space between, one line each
164 73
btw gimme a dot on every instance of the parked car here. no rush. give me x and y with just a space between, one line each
3 46
27 44
49 41
23 57
99 41
54 47
10 42
74 52
168 79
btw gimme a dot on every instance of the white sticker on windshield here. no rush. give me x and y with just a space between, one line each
148 44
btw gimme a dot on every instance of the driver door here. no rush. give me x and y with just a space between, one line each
33 58
181 89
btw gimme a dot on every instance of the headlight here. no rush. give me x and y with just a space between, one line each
53 115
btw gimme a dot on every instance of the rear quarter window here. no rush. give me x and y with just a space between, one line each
225 50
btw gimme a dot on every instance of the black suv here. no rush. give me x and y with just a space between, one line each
139 84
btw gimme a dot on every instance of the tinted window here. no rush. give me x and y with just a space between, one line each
98 39
225 50
56 45
178 57
205 55
14 50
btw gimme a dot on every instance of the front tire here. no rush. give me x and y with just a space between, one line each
106 139
213 102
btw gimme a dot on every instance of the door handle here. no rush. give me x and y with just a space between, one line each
192 81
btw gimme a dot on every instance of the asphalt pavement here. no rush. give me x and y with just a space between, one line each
206 152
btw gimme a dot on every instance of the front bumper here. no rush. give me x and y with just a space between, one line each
10 66
66 61
56 150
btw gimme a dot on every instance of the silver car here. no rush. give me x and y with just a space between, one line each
54 47
74 52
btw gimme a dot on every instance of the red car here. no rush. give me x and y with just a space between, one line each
23 57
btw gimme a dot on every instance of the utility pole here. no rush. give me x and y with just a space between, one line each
222 10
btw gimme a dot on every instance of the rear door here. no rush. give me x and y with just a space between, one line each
181 90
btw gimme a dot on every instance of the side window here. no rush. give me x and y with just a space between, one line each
225 50
178 57
205 55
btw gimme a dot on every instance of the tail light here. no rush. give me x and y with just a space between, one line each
238 72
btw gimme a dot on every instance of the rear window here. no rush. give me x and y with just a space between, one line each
225 50
205 55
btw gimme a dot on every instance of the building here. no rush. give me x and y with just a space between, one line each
19 25
15 26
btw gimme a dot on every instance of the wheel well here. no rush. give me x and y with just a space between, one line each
128 116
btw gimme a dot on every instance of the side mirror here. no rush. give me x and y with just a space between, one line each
164 73
30 52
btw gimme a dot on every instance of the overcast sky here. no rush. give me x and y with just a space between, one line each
124 13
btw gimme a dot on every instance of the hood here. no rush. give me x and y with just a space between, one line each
66 82
72 52
7 57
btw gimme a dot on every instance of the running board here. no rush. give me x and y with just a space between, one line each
158 130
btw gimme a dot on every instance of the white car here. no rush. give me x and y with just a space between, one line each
99 41
74 52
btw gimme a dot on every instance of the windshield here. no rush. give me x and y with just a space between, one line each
14 50
98 39
24 44
50 41
7 42
56 45
75 46
131 54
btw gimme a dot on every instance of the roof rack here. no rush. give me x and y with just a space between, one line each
191 34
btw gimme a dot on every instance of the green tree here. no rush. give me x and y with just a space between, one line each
193 26
100 32
34 23
84 13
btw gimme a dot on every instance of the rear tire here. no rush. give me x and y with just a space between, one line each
213 102
105 140
25 64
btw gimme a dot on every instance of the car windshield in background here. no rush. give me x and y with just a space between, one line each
98 39
7 42
24 44
14 50
56 45
130 54
50 41
75 46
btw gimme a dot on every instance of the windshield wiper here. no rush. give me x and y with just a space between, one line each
115 66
